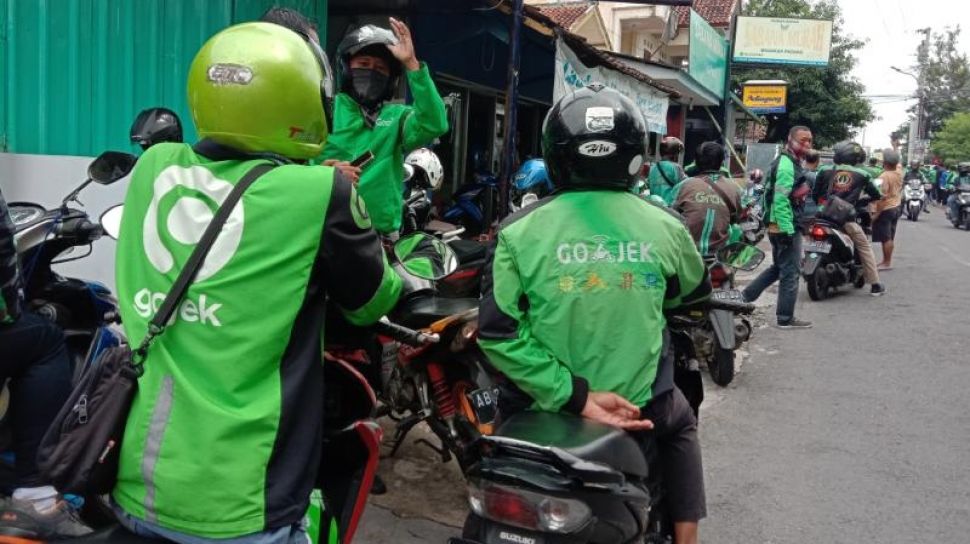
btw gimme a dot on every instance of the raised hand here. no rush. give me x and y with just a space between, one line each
404 49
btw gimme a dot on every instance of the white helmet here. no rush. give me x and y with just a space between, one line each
425 160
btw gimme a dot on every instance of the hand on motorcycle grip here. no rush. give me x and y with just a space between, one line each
404 334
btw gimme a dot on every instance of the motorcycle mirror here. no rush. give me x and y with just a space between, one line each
741 256
111 166
425 256
111 221
408 172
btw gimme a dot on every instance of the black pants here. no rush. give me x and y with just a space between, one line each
33 356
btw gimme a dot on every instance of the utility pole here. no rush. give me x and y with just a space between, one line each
920 128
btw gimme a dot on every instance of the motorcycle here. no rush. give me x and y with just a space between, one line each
85 310
914 198
475 205
557 478
437 375
962 217
829 260
714 335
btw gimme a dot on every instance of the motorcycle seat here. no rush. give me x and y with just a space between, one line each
578 436
113 534
468 251
420 312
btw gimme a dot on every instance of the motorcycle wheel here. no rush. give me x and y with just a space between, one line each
722 366
817 286
859 282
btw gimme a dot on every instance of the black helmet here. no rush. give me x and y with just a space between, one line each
370 40
156 125
671 146
594 137
849 153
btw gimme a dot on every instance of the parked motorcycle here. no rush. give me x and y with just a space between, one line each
475 205
829 261
86 310
557 478
712 336
914 197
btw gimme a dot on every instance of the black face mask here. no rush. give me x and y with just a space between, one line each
368 86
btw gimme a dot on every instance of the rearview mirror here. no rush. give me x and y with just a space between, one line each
425 256
111 166
741 256
111 221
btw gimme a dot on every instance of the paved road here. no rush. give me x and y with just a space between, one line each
855 431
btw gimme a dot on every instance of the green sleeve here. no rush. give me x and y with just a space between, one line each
505 336
781 210
689 284
428 118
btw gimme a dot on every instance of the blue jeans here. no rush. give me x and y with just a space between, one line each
785 268
291 534
34 357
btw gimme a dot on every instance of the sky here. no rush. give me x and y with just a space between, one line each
890 27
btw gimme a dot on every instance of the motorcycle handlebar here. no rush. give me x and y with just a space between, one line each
81 227
405 335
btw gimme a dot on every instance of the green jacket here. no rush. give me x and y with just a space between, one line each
781 181
664 176
574 294
398 129
223 436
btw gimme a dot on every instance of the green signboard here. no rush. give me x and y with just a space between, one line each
708 55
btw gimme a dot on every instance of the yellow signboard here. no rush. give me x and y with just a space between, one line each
777 40
765 98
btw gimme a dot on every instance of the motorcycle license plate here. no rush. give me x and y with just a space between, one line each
818 247
730 295
485 404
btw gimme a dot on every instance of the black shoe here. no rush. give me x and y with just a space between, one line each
21 520
878 290
795 324
378 487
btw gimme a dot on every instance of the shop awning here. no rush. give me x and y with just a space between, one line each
689 90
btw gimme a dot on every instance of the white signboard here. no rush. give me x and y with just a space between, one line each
571 73
778 40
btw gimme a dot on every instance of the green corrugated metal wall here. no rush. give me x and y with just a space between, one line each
74 73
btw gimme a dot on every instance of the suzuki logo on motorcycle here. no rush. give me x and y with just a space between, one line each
597 148
197 195
517 539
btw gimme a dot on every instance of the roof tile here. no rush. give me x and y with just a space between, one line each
716 12
565 14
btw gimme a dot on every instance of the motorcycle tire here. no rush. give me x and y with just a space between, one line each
721 366
860 281
817 287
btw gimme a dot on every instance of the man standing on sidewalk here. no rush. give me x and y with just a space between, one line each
785 187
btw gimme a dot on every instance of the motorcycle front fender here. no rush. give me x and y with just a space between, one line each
722 321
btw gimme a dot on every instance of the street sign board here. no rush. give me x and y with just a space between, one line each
779 40
708 55
765 98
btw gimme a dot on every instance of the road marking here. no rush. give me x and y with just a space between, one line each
954 256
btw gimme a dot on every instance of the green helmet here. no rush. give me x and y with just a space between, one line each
259 87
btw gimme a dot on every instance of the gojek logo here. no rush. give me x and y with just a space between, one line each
183 203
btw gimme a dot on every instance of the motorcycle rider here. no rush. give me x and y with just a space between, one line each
783 194
709 202
222 441
667 173
955 185
848 182
371 61
593 252
36 362
917 172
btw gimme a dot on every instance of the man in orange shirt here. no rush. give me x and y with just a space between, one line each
885 212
